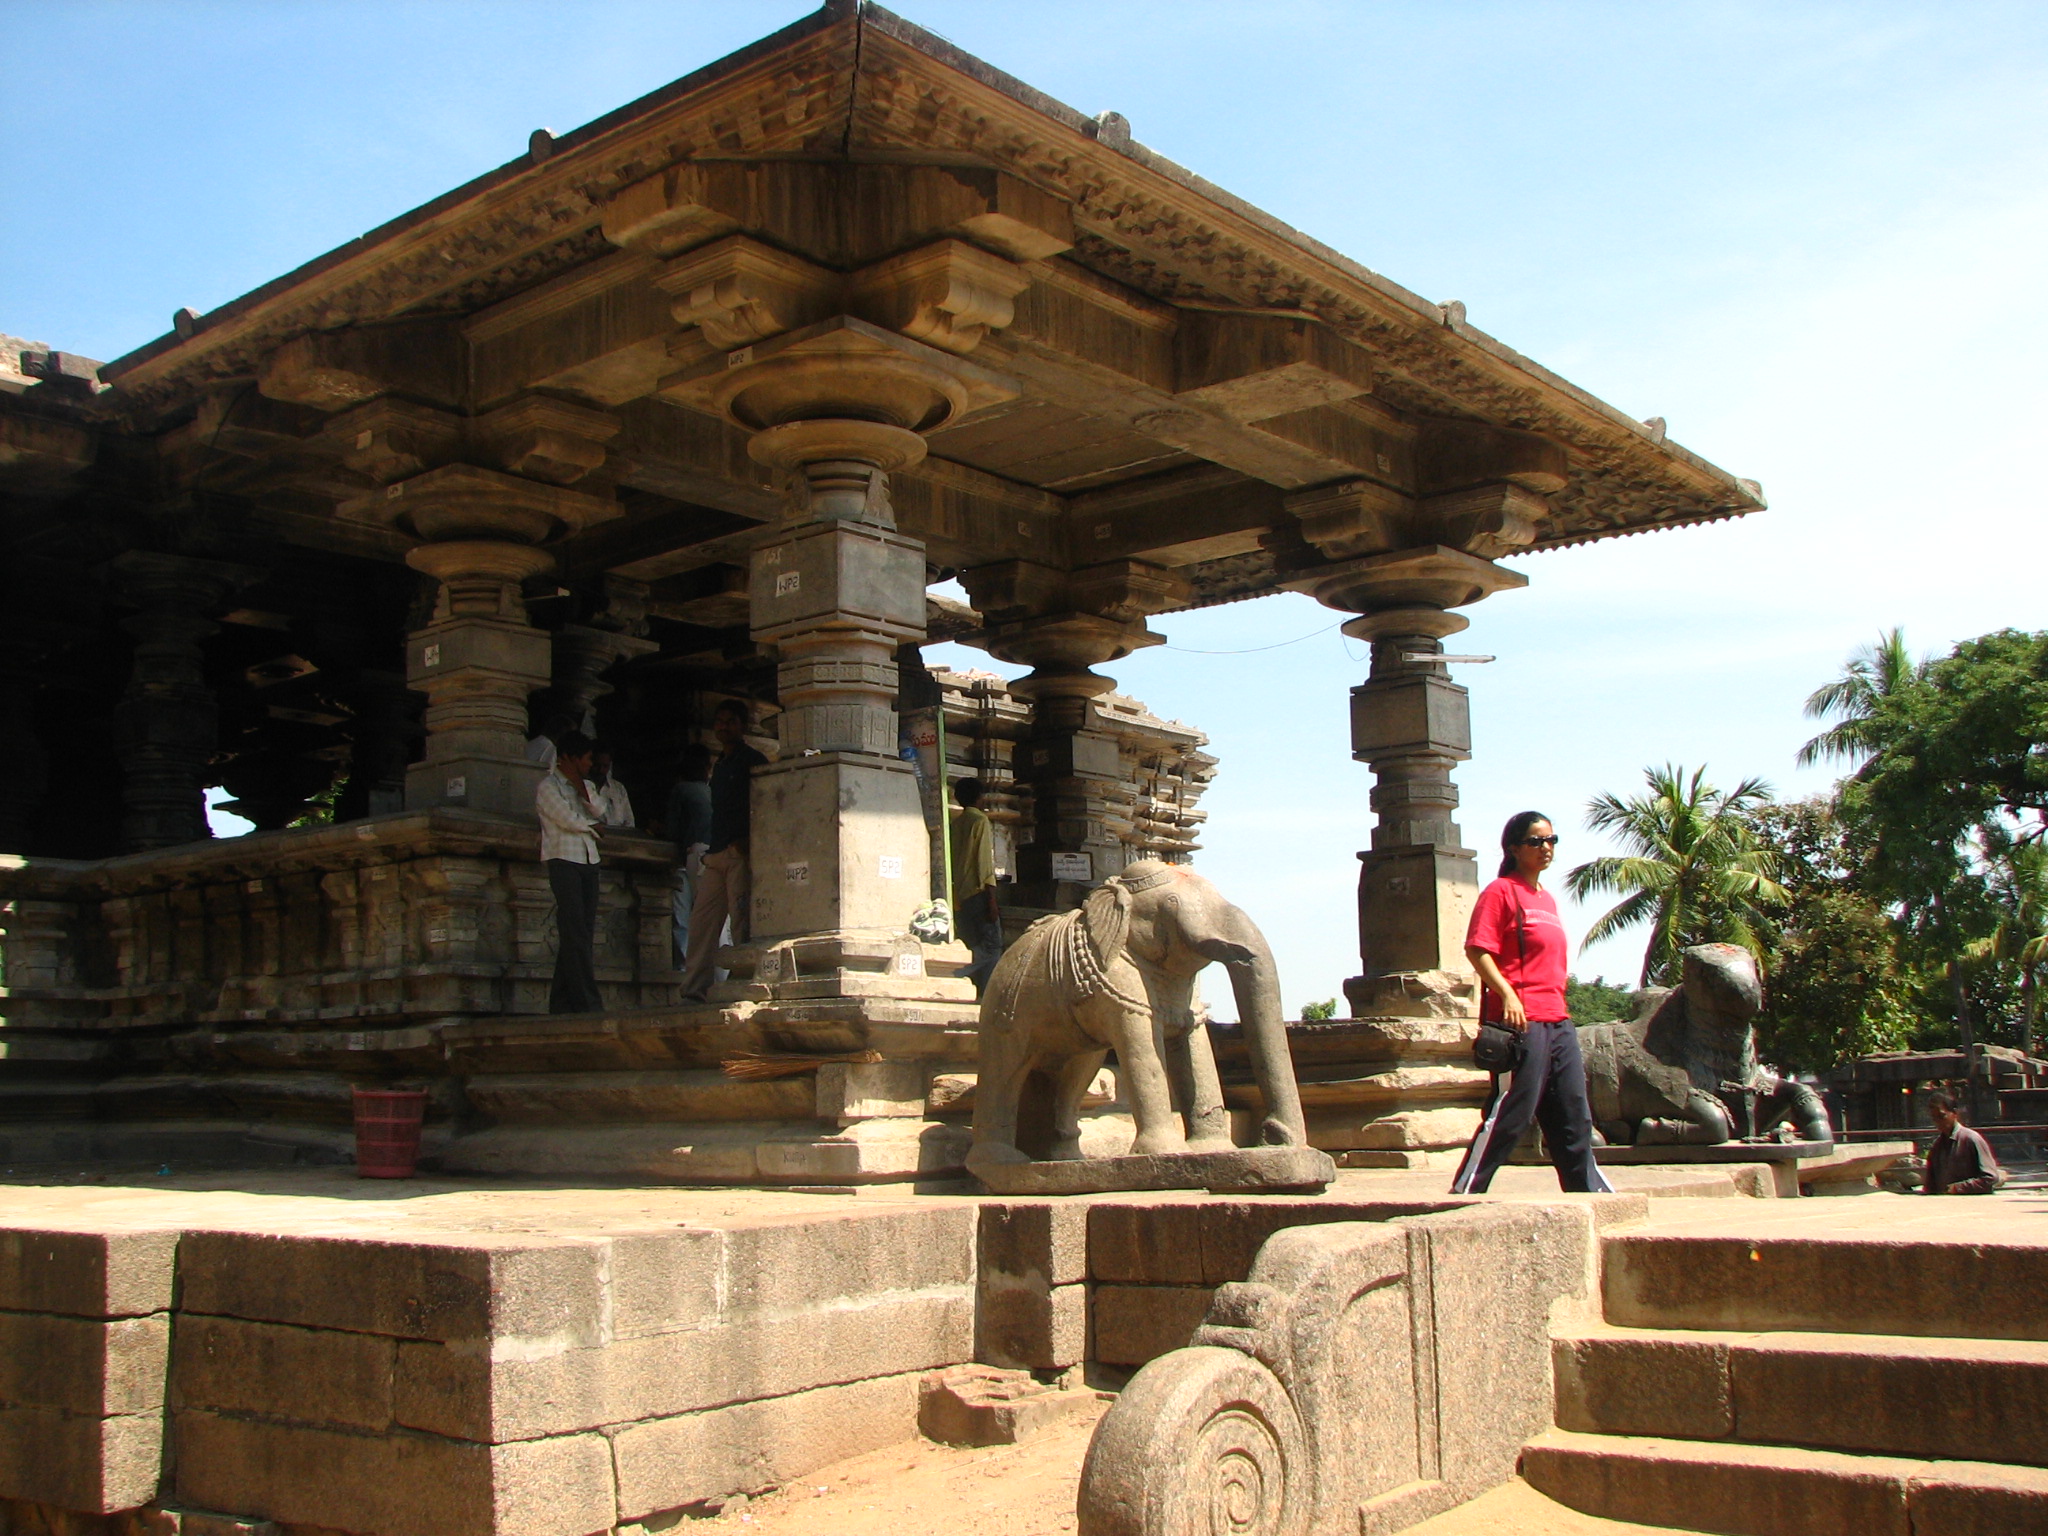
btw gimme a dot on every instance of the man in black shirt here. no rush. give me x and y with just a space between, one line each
1960 1161
725 887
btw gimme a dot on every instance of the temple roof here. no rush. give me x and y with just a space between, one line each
854 85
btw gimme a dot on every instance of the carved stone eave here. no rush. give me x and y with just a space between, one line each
854 82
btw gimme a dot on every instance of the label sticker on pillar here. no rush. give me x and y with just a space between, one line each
1040 756
787 582
457 788
772 555
1073 866
393 492
798 873
910 963
739 357
1385 462
769 966
365 438
891 865
1397 885
1102 530
430 655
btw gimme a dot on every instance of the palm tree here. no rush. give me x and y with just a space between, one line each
1873 673
1694 869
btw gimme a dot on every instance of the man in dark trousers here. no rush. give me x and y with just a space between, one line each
976 913
570 825
1959 1162
725 887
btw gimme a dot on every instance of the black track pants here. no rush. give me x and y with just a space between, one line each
1549 1089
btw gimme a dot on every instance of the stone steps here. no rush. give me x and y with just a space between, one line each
1808 1383
1888 1395
1772 1490
1928 1289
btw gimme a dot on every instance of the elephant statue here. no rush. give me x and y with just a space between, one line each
1685 1070
1118 973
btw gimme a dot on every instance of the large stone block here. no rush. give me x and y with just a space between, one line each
1928 1289
311 1375
750 1446
460 1391
82 1365
80 1461
664 1280
1134 1323
461 1286
1042 1239
396 1484
1971 1498
802 1262
1025 1324
1644 1384
82 1272
1148 1243
1721 1487
1978 1400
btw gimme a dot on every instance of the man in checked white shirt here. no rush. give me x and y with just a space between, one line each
571 822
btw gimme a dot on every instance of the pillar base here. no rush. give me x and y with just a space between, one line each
476 782
1414 905
841 862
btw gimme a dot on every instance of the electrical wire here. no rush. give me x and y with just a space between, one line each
1251 649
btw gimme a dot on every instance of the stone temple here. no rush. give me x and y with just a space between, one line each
712 400
695 403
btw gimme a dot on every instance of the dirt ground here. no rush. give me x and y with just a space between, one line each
921 1489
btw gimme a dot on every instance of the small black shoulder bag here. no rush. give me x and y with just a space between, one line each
1497 1048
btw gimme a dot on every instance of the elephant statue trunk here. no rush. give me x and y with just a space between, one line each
1255 983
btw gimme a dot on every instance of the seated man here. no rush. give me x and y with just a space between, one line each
1959 1162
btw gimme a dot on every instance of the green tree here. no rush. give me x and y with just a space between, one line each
2018 885
1957 770
1872 674
1596 1002
1694 870
1838 985
1315 1012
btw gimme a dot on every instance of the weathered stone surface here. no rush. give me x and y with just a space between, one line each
83 1272
1929 1289
1625 1383
1047 1239
82 1365
80 1461
1152 1244
1973 1498
1239 1170
1134 1323
666 1463
980 1405
311 1375
457 1390
197 1522
776 1266
1976 1400
395 1485
457 1286
1424 1128
1724 1486
664 1280
1025 1324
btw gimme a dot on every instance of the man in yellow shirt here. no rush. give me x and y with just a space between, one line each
977 918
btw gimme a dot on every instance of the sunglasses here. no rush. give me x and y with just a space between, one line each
1540 842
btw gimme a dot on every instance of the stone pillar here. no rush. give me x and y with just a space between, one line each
478 658
25 766
1063 625
165 723
1410 723
381 736
841 855
584 653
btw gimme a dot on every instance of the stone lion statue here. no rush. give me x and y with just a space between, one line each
1679 1071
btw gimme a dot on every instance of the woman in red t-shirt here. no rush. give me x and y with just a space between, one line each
1516 942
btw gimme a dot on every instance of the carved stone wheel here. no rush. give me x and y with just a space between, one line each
1203 1442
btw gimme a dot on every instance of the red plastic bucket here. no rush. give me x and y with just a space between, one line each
388 1132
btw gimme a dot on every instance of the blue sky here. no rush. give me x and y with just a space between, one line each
1808 235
